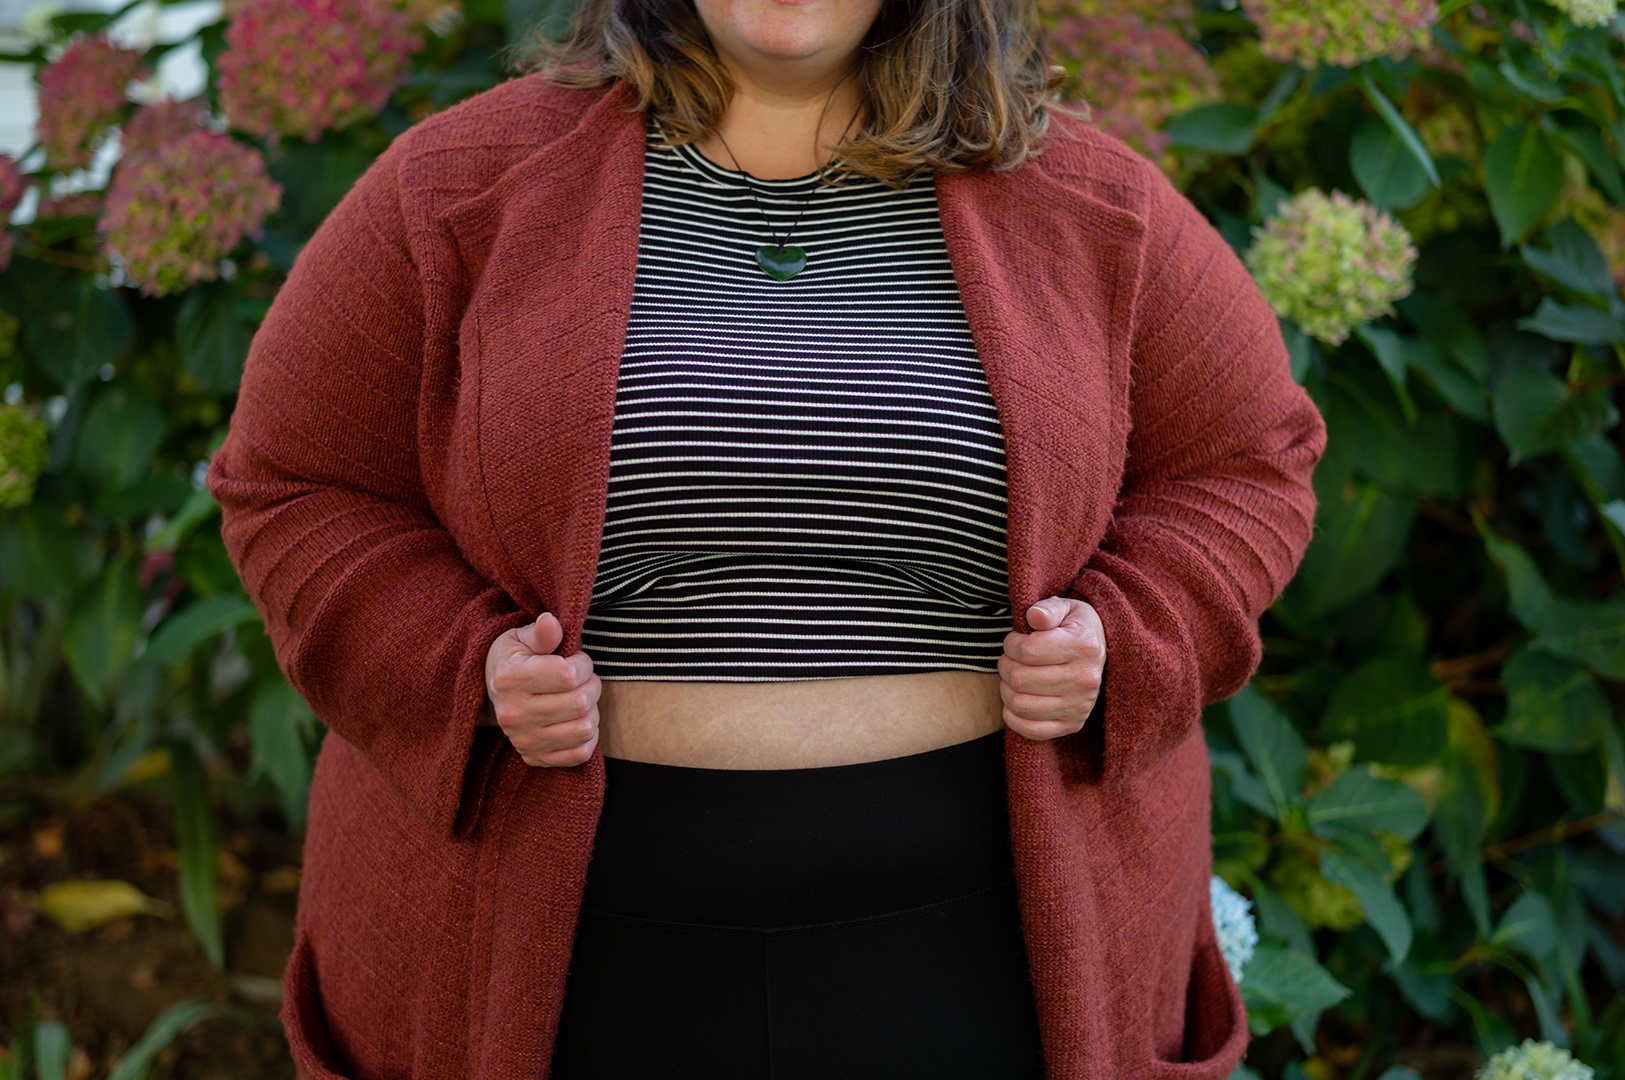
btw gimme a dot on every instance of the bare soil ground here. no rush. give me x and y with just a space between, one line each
107 984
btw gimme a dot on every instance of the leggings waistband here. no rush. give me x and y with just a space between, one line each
798 847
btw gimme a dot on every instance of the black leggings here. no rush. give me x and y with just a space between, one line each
806 924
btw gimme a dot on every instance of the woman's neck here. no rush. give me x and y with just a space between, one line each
781 132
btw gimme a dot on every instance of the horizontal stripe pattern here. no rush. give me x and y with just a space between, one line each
807 477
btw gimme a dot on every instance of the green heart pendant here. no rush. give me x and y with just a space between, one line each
781 263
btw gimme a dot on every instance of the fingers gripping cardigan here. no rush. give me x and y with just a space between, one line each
418 463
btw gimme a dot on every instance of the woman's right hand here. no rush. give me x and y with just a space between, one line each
546 704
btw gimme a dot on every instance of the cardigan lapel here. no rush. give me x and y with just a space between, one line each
552 248
1048 275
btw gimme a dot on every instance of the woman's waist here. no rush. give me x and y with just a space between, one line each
804 724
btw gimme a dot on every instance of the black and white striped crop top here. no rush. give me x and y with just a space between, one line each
806 477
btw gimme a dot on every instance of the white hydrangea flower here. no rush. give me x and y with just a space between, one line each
1534 1061
1588 12
1233 921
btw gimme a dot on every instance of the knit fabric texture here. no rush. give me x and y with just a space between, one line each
418 462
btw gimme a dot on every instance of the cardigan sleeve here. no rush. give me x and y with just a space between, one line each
1215 509
376 618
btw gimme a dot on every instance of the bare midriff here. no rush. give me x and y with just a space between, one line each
796 725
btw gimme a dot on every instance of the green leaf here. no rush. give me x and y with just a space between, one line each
1591 632
1389 349
1579 323
103 625
70 326
53 1045
1529 926
196 623
122 429
212 339
137 1061
1448 327
38 553
1291 980
1390 174
199 876
1243 784
1382 908
1272 744
1599 465
1453 385
1360 535
1398 125
1523 176
1357 801
1574 260
315 176
1424 978
1393 709
1552 704
1535 413
198 508
1277 920
1225 128
1586 143
278 720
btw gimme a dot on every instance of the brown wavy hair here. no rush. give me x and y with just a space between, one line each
947 85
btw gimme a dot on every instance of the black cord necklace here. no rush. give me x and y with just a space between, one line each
782 260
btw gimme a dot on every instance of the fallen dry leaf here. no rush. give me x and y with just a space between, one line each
77 906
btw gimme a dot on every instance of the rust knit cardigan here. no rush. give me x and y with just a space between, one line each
418 463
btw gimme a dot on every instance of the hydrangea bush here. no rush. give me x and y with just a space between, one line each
1233 923
1134 74
1534 1061
81 94
301 67
1589 12
1329 263
175 210
1341 32
22 454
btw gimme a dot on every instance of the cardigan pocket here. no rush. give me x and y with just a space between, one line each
303 1022
1215 1019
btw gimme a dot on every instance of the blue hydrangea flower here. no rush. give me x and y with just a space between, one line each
1233 920
1534 1061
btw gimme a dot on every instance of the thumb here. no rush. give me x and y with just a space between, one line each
1049 613
542 636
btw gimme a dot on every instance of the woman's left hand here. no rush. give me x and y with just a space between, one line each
1049 679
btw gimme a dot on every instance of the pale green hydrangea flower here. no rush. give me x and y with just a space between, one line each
1342 32
1330 263
1588 12
1233 922
22 454
1534 1061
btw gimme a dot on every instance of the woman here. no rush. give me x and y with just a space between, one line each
708 572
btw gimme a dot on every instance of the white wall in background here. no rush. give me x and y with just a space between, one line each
179 74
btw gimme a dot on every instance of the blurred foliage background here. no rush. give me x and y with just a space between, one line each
1423 792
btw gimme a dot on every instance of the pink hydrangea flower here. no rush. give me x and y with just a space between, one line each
80 95
300 67
173 212
1342 33
160 124
1134 74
